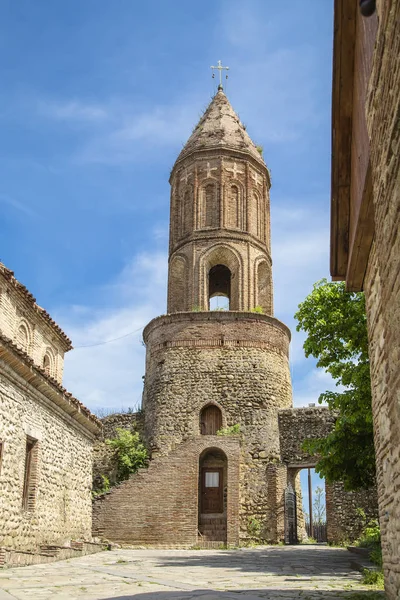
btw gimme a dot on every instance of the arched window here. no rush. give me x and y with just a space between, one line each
219 284
209 208
261 215
47 364
235 216
210 420
264 287
187 224
23 337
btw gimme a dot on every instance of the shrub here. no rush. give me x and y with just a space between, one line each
253 527
257 309
104 488
130 453
231 430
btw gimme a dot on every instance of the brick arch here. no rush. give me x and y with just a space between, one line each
49 362
222 254
177 284
234 205
186 210
208 214
263 285
260 208
23 335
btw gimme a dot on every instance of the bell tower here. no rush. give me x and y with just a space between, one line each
208 369
220 218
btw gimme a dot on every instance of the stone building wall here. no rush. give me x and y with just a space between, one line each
382 282
158 506
237 361
29 326
59 505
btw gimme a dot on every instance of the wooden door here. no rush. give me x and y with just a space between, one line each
210 420
212 499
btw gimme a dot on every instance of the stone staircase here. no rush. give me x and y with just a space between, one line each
212 531
158 506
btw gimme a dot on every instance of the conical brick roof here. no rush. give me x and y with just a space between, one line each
220 127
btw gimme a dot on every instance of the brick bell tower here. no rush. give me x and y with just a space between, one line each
207 369
220 224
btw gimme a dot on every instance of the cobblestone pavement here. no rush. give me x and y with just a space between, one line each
268 573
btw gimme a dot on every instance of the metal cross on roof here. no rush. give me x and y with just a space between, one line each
220 68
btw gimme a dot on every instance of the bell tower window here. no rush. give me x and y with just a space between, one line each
219 286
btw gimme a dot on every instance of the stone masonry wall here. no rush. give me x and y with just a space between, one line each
59 507
237 361
299 424
158 506
344 522
382 284
104 463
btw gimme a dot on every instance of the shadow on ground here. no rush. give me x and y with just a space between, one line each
254 594
282 560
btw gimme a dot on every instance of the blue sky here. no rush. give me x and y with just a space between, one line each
96 100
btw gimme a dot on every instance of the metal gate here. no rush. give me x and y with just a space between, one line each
290 516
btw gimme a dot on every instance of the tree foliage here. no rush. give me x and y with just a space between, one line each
130 453
336 327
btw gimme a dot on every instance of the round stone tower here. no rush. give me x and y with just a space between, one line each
208 370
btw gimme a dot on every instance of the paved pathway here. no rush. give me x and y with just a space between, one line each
268 573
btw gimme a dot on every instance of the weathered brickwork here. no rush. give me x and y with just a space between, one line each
237 361
159 505
382 283
59 506
30 327
220 214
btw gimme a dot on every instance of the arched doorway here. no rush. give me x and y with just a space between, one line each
213 486
210 420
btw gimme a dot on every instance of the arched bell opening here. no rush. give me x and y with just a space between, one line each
210 420
219 288
213 493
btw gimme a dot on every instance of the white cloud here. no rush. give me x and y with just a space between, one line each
310 384
109 376
16 204
131 136
72 110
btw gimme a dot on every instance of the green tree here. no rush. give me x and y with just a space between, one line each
336 327
130 453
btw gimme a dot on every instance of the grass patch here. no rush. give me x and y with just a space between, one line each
373 578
